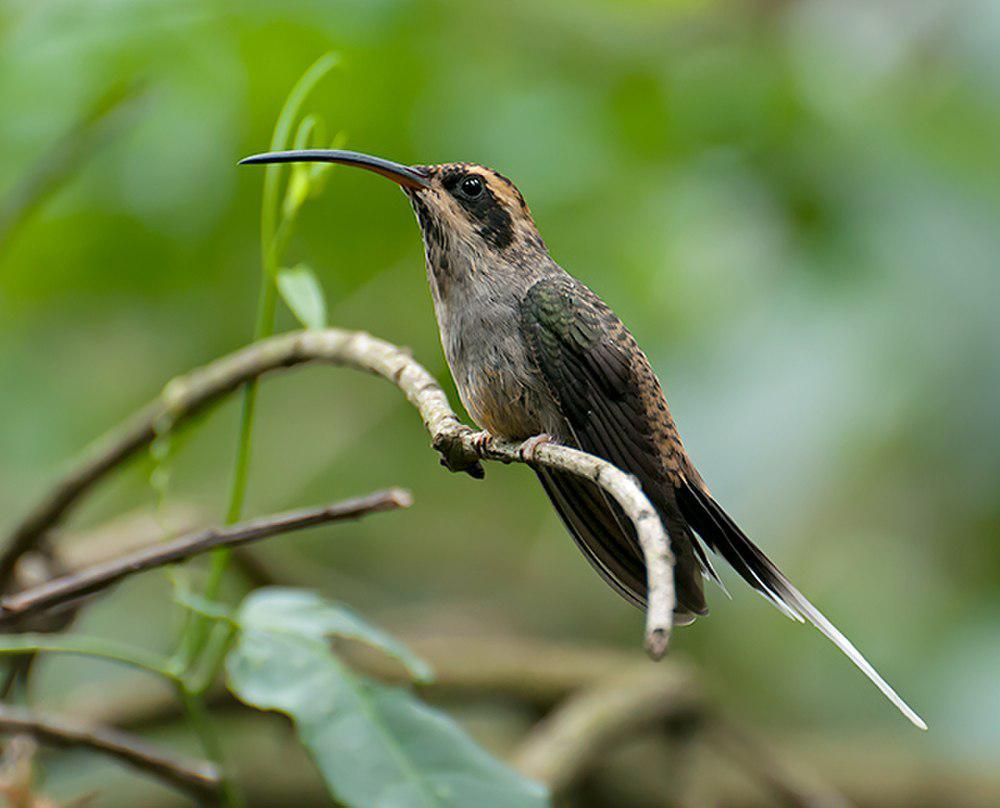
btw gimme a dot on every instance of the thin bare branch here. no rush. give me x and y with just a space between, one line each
197 777
577 733
191 394
85 582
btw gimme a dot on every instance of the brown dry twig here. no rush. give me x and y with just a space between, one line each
197 777
188 395
99 576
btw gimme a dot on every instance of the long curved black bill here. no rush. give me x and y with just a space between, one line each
397 172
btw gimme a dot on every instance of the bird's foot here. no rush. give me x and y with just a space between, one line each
456 455
528 449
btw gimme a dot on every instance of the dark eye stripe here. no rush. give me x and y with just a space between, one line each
495 224
493 221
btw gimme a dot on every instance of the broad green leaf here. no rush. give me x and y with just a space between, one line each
306 614
300 289
374 745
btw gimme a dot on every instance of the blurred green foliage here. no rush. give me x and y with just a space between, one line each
794 206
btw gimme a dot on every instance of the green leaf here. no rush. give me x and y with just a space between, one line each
301 290
279 141
306 614
374 745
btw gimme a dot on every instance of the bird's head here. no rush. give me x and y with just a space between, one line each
474 220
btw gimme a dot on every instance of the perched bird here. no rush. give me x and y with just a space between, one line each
535 353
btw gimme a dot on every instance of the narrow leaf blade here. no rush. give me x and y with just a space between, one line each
301 291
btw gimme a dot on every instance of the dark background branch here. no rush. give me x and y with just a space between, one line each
70 587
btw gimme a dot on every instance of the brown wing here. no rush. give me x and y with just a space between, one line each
601 382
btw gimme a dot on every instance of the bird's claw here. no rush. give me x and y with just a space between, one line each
481 441
529 447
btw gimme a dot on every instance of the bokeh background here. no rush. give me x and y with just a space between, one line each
795 207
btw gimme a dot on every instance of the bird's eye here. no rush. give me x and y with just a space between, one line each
471 187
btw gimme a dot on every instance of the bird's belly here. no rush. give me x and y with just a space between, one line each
501 406
499 389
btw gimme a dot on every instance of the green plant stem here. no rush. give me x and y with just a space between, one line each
214 656
272 239
201 724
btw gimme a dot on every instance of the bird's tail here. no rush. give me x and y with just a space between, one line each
724 536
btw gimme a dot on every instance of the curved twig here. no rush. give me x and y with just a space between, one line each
99 576
188 395
199 778
578 732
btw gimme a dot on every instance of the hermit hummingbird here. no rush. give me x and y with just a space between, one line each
536 356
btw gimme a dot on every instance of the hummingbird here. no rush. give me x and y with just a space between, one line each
537 356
